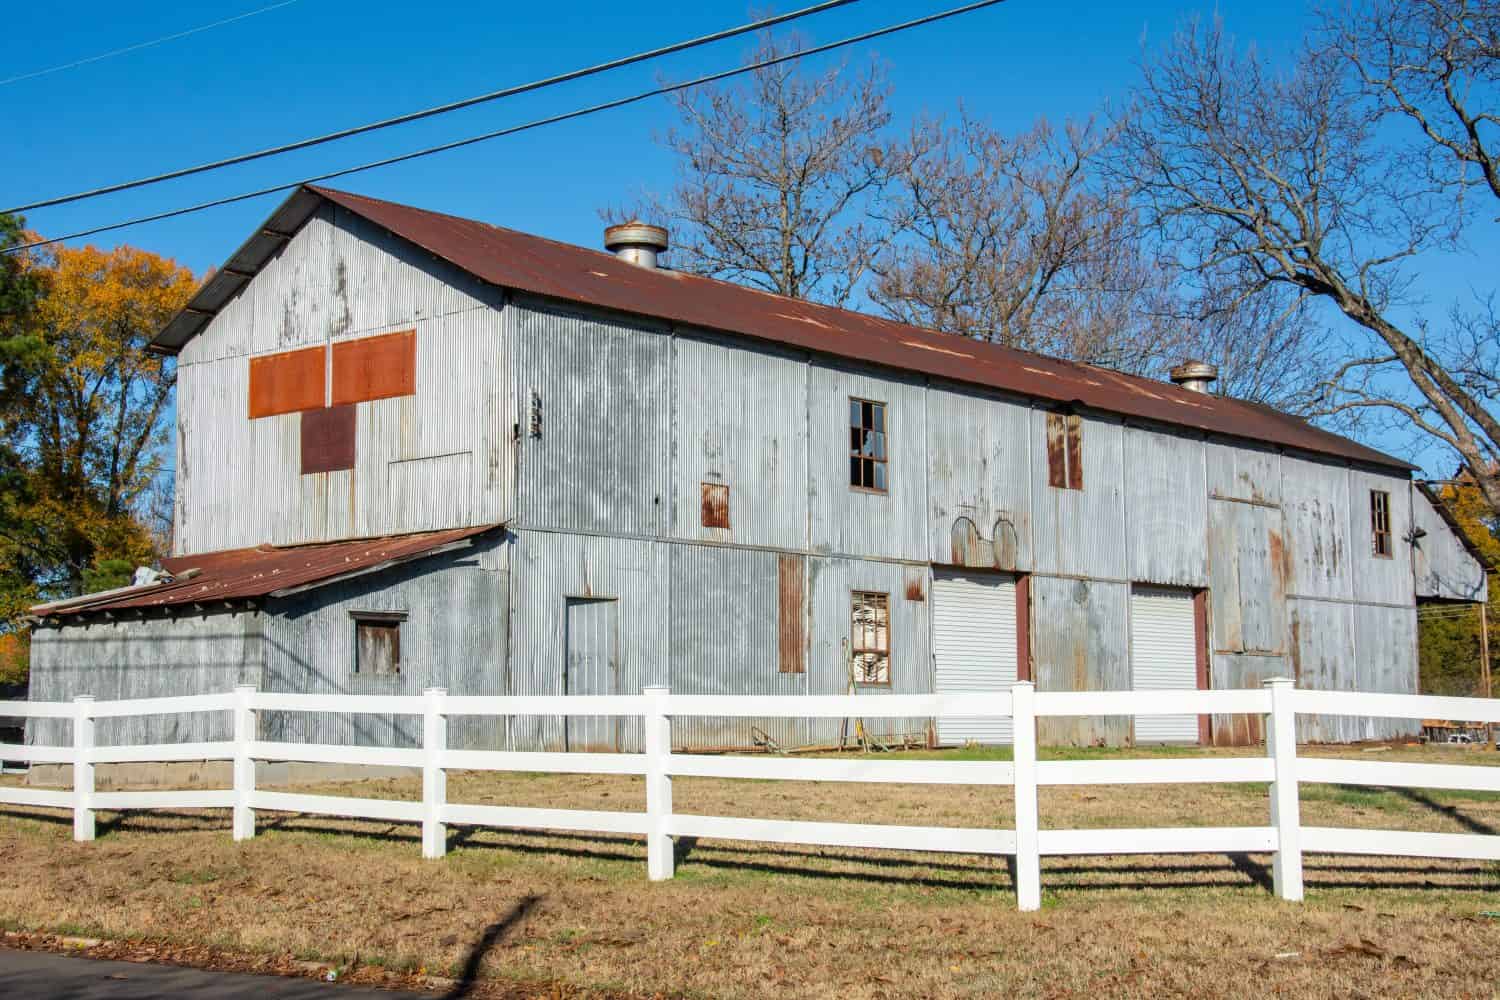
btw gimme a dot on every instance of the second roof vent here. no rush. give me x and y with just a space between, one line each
1195 376
638 242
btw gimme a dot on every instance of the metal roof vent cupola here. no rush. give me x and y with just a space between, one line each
1195 376
638 242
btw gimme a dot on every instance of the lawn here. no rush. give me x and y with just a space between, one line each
574 913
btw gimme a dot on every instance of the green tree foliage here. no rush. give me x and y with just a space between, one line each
1448 635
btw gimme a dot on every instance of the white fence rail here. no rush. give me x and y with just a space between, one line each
1281 769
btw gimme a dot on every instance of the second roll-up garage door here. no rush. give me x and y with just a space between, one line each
974 647
1163 657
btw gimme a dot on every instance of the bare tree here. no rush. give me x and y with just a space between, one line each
773 176
1278 182
1435 63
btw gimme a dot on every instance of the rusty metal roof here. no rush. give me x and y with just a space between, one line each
236 576
510 259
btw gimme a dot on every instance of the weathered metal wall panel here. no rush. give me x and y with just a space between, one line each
725 629
739 419
1239 671
1080 532
1385 641
239 481
1323 659
1316 513
1240 471
832 583
1380 579
1080 642
1166 508
848 521
1248 589
978 480
144 659
454 636
1444 568
593 401
549 567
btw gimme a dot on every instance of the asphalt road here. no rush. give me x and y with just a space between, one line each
37 974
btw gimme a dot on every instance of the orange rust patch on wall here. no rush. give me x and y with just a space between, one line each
375 368
715 503
327 439
791 625
286 382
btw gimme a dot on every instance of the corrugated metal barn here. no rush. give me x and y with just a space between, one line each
419 450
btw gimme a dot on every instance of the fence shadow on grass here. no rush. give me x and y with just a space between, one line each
1425 800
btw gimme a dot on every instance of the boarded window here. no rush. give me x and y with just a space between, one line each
287 382
870 637
867 451
715 504
377 643
1065 451
327 439
375 367
791 616
1380 522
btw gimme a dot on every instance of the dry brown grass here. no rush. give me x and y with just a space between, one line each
746 920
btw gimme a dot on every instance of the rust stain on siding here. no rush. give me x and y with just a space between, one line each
715 504
327 439
286 382
1075 452
1057 461
915 591
791 645
375 368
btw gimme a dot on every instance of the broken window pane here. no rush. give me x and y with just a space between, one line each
867 445
870 637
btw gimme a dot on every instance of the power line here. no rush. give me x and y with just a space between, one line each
527 126
144 45
441 109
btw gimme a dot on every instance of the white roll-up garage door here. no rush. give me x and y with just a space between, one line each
1163 657
974 647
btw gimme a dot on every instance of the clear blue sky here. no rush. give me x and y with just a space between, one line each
318 65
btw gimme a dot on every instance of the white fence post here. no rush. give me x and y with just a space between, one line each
659 861
83 767
1028 857
244 764
1286 809
434 777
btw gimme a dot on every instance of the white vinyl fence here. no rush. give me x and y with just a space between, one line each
1283 836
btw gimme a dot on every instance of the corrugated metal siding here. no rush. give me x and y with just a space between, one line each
1380 580
1238 671
724 628
973 648
601 391
846 521
1079 643
832 581
1385 643
978 469
1163 657
144 659
1079 532
740 419
549 567
454 636
1166 508
1248 589
1444 568
1316 513
239 481
1243 472
1323 656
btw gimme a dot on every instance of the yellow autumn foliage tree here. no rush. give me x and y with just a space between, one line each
1448 641
86 435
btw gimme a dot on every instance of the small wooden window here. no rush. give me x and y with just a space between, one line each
377 643
1380 522
867 451
1065 451
870 637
